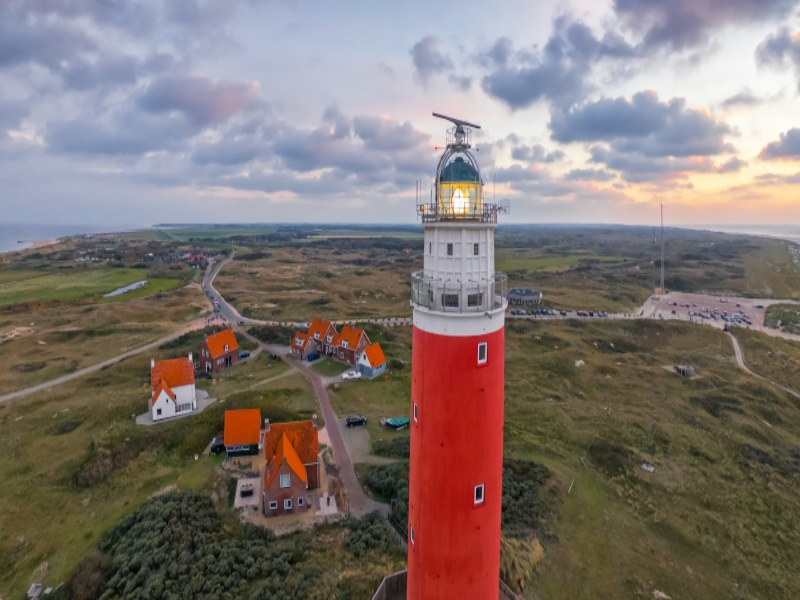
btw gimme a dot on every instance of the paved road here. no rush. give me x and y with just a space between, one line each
737 350
198 324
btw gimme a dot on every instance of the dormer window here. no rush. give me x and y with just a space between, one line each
329 338
316 336
226 347
344 344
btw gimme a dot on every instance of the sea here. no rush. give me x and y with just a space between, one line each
12 234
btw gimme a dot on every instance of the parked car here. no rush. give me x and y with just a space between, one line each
244 354
312 357
355 420
351 375
273 356
563 313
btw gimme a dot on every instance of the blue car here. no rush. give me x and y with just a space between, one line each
313 356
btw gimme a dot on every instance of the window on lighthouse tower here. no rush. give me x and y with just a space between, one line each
482 353
478 496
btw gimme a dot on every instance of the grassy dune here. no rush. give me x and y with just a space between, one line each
774 358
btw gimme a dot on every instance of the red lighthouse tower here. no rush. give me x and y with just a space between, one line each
459 304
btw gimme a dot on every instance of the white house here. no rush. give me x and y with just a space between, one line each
172 382
372 362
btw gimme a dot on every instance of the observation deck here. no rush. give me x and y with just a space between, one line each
483 296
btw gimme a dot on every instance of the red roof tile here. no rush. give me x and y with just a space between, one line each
300 340
216 343
242 427
302 435
375 355
157 392
175 372
285 450
351 335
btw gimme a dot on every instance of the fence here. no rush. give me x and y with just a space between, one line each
456 297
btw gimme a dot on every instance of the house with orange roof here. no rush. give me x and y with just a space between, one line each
242 433
291 471
347 345
304 343
172 388
372 361
218 351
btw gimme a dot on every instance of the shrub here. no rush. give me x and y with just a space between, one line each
273 334
370 532
399 447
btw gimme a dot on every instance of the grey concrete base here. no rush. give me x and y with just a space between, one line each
203 402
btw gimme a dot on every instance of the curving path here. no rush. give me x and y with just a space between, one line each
737 350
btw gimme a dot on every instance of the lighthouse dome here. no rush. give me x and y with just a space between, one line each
459 170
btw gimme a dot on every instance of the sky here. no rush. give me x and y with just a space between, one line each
136 112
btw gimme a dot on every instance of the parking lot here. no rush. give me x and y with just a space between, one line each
686 307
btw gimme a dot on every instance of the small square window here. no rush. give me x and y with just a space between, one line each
449 249
476 249
482 350
286 480
416 412
412 535
478 497
158 412
273 505
300 501
287 504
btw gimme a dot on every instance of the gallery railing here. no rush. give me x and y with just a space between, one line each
457 297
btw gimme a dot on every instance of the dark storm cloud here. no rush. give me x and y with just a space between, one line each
557 72
643 125
428 59
779 49
787 147
589 175
203 101
536 154
732 165
687 23
637 168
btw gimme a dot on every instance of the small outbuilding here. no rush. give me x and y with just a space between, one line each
685 370
218 351
523 297
242 435
372 361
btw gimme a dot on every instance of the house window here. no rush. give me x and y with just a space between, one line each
482 350
478 495
449 249
476 249
344 344
300 501
412 535
286 481
158 412
341 354
430 248
287 504
273 505
416 412
226 347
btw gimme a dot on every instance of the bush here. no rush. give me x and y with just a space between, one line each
370 532
399 447
391 482
524 506
273 334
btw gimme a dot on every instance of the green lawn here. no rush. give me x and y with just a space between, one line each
509 260
328 367
78 284
783 316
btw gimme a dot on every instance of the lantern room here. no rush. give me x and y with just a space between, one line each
458 188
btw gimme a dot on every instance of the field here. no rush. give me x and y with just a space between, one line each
725 447
75 462
785 317
328 367
774 358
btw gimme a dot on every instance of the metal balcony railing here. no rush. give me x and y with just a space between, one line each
457 297
481 212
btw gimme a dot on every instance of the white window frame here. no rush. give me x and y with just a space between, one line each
476 249
288 480
450 249
287 504
416 412
479 489
273 505
300 501
412 534
485 347
345 344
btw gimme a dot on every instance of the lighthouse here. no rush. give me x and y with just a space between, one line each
459 303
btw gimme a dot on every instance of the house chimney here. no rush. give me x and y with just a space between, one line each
314 420
266 425
190 357
152 363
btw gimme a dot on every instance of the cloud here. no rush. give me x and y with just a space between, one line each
536 154
589 175
638 168
428 59
50 44
462 83
769 179
732 165
743 98
787 147
202 101
780 48
557 72
643 125
683 24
